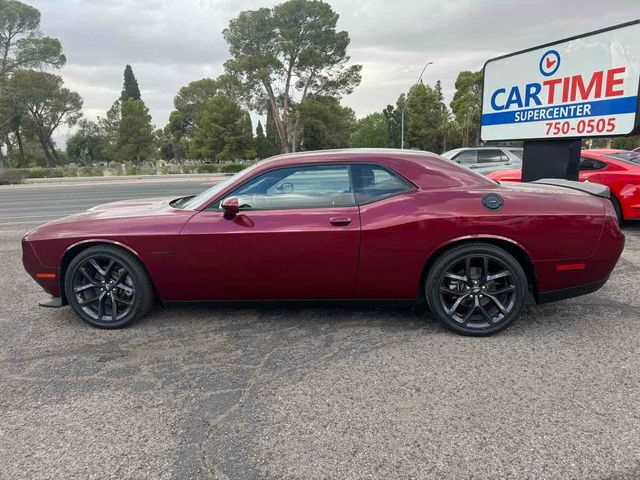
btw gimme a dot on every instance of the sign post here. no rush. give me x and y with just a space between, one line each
554 95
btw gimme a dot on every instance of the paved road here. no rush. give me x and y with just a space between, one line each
39 203
311 393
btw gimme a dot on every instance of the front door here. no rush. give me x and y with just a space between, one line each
297 236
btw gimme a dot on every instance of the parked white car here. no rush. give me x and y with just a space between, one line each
486 159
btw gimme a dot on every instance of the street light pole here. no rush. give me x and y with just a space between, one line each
407 101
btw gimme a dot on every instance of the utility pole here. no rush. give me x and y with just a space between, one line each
407 101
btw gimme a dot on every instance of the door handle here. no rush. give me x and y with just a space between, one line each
340 221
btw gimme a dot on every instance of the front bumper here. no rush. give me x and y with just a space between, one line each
46 277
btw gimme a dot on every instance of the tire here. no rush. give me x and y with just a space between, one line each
476 289
618 208
103 275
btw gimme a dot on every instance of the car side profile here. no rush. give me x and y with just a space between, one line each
486 159
619 170
338 225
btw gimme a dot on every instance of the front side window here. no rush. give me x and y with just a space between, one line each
373 182
491 156
467 157
313 186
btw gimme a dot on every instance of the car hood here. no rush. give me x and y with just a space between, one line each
114 217
131 207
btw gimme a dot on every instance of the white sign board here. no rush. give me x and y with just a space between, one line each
585 86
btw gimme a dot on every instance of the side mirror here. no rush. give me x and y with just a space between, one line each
231 207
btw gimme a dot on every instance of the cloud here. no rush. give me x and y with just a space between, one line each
172 42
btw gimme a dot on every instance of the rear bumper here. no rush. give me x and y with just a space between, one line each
565 293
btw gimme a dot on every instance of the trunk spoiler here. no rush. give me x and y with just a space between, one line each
587 187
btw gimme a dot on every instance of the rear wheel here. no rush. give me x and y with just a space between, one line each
108 287
476 289
618 208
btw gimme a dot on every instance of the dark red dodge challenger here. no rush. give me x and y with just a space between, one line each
336 225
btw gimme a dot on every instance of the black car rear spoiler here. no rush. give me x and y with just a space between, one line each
587 187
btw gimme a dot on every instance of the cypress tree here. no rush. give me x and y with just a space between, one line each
261 142
130 90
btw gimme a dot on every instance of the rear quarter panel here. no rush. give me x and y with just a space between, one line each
401 233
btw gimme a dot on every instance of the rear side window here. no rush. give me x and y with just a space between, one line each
468 157
491 156
591 164
373 182
297 187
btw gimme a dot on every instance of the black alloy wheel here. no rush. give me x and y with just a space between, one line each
108 287
476 289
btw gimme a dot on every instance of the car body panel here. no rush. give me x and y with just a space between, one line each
622 178
291 254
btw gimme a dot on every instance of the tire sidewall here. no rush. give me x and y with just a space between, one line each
436 274
133 270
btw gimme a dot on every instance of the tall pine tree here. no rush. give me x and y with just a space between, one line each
130 90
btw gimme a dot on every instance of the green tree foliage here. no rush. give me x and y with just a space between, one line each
22 46
109 128
393 116
466 106
135 133
130 89
43 105
261 142
183 121
371 131
223 132
423 119
626 143
290 50
325 123
86 145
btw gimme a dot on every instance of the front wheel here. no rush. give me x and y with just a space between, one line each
476 289
108 287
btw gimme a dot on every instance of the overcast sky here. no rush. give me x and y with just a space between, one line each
172 42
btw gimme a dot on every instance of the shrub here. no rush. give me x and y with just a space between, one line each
91 171
57 172
70 171
36 172
9 176
131 169
232 167
207 168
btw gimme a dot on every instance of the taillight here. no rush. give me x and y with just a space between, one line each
609 210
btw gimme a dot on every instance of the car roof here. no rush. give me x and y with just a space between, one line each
345 155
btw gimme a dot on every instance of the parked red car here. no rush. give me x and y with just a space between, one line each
617 169
336 225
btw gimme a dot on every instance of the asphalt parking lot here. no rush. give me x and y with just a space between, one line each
293 392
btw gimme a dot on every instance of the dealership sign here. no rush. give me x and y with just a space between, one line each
584 86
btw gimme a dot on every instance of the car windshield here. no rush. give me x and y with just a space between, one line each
451 153
517 152
214 190
629 157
